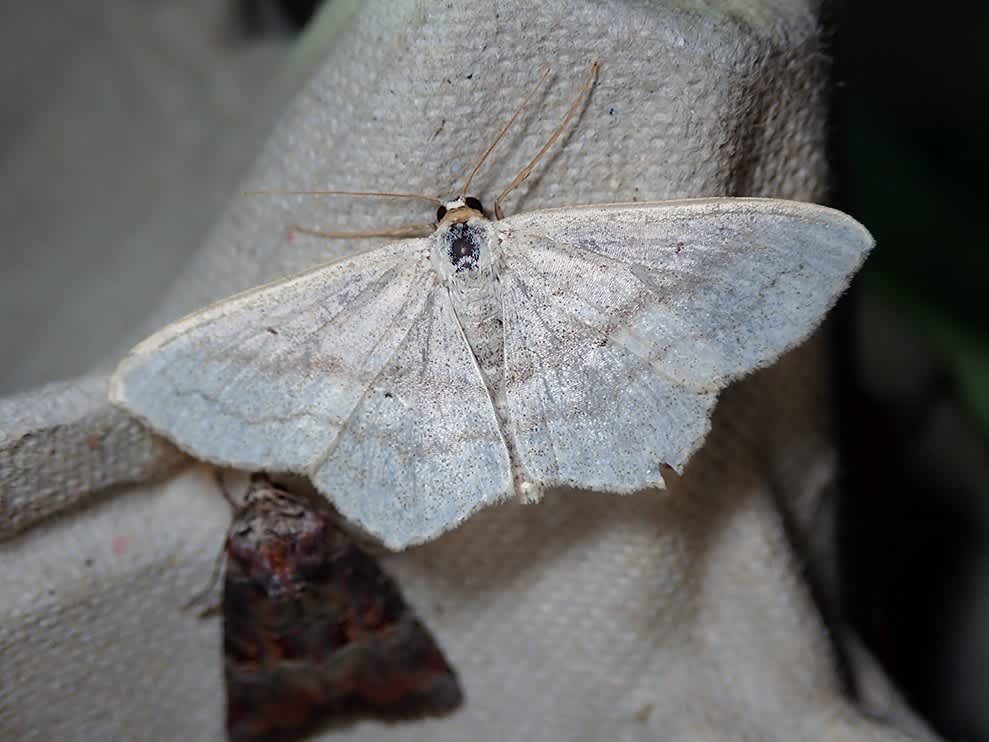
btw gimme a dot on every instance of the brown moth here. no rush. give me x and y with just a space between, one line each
313 630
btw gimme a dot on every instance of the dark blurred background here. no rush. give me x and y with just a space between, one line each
911 116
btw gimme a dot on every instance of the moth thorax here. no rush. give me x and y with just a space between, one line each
468 250
462 245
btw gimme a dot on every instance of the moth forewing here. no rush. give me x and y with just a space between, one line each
267 379
706 290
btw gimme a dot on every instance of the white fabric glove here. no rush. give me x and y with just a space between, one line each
681 615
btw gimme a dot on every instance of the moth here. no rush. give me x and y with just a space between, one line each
579 347
313 629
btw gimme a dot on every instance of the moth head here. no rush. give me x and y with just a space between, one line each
459 210
462 230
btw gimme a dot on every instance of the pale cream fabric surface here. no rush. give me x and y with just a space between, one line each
669 616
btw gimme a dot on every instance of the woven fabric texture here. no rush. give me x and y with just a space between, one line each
684 615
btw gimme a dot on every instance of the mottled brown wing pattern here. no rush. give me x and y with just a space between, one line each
314 631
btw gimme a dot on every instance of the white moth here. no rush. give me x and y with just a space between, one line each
576 347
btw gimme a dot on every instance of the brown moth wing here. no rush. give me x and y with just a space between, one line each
313 630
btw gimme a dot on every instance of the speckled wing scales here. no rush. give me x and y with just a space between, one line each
267 379
355 373
584 411
423 450
623 322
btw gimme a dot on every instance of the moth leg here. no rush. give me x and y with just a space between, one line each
670 477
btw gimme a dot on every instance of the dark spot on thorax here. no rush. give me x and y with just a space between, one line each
463 246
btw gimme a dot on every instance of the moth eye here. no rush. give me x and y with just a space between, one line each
473 203
440 213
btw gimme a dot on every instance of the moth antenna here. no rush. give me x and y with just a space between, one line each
504 129
577 105
218 561
368 194
409 230
214 577
222 484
